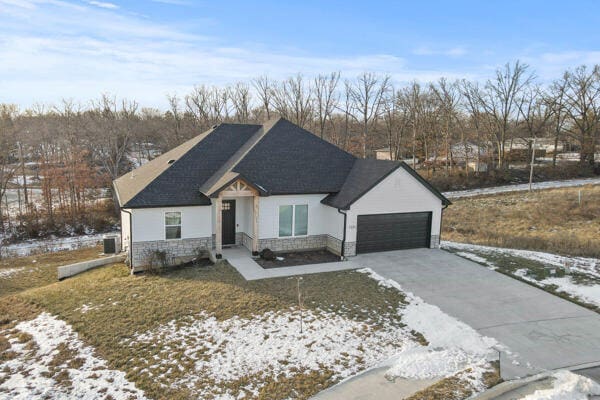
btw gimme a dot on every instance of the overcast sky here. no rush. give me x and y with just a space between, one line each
143 50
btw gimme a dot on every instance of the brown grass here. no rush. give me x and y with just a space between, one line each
121 305
457 387
40 270
547 220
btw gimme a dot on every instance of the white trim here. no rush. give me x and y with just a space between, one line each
180 224
293 235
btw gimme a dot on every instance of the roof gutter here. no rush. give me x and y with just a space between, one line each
344 234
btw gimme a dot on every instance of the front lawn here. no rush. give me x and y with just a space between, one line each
205 332
22 273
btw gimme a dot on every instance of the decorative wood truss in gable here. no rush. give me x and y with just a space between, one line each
239 188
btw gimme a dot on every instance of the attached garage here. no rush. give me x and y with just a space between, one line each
396 231
387 206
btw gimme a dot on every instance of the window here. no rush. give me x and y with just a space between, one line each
173 225
293 220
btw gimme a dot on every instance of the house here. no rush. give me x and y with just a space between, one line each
384 154
273 186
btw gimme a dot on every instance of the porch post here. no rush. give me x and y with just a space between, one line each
219 228
256 200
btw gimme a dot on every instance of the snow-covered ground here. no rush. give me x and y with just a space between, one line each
454 347
9 272
567 386
522 187
50 245
54 364
220 353
590 267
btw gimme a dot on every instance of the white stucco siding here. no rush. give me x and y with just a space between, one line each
149 223
322 219
399 192
244 210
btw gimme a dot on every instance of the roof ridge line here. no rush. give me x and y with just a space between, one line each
238 155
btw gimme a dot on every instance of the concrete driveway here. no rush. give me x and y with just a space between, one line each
544 330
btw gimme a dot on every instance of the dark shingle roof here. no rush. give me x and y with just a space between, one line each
278 158
290 160
179 183
365 174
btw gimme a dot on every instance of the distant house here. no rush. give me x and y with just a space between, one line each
545 144
384 154
273 186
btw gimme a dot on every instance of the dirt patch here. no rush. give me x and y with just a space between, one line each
299 258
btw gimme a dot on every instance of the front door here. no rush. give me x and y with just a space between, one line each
228 222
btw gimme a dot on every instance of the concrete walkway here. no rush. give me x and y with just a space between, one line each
543 331
372 385
241 259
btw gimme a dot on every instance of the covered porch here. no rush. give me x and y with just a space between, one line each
236 207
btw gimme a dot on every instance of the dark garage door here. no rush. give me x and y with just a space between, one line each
384 232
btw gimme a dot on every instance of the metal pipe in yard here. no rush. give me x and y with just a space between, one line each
532 162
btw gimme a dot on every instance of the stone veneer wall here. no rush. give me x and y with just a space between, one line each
246 241
334 245
313 242
349 249
294 243
176 249
435 241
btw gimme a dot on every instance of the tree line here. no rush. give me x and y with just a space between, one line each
71 151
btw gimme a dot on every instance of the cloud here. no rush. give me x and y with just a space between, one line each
173 2
103 4
56 49
450 52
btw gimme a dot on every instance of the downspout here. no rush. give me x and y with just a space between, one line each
344 234
130 237
442 222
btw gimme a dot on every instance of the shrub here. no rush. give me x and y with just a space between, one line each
268 255
156 261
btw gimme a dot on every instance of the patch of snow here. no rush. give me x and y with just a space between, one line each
51 245
473 257
522 187
453 345
272 344
567 386
29 374
586 293
586 266
8 272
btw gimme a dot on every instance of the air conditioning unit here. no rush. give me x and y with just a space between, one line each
112 244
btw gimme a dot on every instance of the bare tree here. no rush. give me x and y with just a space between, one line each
292 99
175 117
368 93
241 98
264 88
8 143
500 99
325 99
115 126
582 105
537 109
